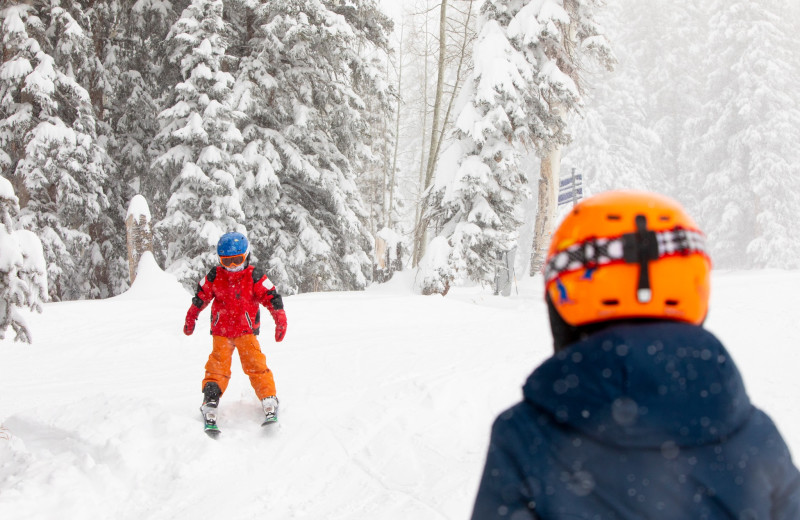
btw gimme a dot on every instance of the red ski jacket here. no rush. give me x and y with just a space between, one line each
237 295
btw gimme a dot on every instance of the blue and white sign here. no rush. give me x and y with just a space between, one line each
570 189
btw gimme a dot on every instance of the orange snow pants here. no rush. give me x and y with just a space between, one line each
254 364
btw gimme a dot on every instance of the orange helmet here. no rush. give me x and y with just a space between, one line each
628 254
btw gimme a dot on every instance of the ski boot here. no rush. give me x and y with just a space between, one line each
270 406
211 395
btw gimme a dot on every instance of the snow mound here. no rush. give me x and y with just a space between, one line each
401 282
152 283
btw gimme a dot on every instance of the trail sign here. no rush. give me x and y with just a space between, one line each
570 189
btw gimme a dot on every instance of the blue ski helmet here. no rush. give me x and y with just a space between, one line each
231 244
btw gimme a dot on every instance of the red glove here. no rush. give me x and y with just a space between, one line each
191 319
280 324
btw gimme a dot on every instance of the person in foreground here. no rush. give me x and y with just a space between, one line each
641 413
237 288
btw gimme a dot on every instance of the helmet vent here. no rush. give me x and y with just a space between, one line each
664 218
612 216
610 303
672 303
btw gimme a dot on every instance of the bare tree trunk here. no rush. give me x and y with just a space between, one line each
437 103
386 164
461 56
421 231
550 172
396 128
139 233
416 255
546 212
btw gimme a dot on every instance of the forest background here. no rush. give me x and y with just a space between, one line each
434 132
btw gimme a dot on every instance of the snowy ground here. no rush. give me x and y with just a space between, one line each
387 399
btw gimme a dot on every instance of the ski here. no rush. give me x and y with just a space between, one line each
212 430
209 412
270 420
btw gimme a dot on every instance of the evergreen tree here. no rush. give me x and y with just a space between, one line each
129 34
302 85
23 281
371 158
524 84
614 145
56 162
748 161
199 142
715 113
670 50
95 69
638 119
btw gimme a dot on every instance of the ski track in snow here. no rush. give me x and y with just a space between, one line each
387 399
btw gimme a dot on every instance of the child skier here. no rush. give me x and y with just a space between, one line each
237 289
641 412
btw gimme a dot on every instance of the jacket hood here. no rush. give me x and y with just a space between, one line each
643 385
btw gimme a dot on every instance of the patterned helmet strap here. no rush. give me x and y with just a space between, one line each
640 247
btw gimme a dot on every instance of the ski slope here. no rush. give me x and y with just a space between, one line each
387 399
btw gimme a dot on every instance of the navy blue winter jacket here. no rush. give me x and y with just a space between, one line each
644 421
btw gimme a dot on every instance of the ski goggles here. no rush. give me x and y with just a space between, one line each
232 261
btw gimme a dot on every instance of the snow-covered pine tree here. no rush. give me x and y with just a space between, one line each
131 36
478 191
301 83
23 279
614 145
667 43
53 158
94 68
525 83
199 142
748 159
371 161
